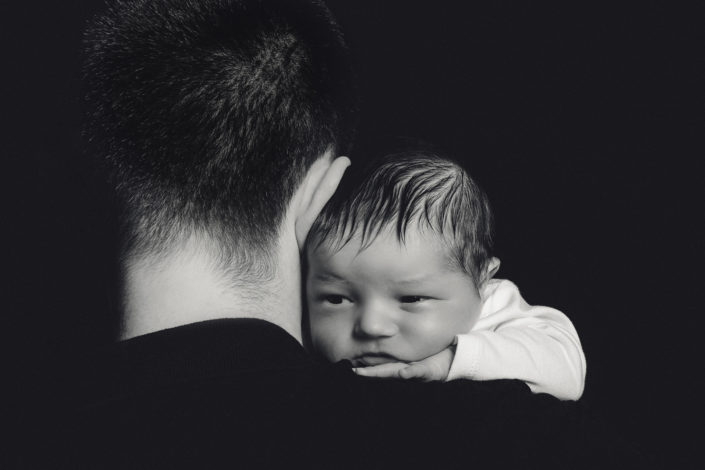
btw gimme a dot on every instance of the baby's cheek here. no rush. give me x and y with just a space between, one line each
470 317
431 334
328 337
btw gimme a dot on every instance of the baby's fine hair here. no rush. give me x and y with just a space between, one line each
413 188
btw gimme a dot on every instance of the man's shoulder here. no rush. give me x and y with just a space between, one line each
187 397
498 424
246 393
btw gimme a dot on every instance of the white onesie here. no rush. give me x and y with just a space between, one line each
513 339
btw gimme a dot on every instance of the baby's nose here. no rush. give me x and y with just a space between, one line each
374 322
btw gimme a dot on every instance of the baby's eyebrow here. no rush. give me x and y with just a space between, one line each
328 277
416 280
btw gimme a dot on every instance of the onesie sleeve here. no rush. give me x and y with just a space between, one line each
514 340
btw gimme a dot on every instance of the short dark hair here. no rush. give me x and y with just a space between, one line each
209 113
413 187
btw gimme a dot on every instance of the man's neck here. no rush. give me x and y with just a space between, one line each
186 287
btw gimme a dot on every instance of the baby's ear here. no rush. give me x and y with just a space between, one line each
491 269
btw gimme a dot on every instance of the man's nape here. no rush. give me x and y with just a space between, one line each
187 283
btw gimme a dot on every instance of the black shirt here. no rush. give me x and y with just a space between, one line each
242 393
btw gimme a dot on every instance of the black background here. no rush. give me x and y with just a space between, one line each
584 125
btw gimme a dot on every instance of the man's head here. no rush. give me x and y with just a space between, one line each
210 114
394 266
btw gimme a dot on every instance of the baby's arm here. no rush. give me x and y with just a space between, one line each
513 340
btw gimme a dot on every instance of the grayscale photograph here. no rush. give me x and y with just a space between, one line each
337 234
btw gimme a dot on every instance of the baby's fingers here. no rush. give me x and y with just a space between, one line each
418 370
434 367
390 369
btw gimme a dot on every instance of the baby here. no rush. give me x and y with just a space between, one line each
400 282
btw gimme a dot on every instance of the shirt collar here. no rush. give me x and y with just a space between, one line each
199 351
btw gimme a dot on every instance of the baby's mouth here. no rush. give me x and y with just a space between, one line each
372 359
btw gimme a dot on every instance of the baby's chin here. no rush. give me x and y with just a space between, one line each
373 359
376 359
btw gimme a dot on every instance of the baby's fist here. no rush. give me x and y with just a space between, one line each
434 367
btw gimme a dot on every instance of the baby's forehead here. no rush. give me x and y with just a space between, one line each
388 238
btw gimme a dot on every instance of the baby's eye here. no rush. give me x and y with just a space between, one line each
412 299
335 299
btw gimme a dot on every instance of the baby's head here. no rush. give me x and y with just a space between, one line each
394 266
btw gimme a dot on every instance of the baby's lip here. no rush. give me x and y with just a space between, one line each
372 359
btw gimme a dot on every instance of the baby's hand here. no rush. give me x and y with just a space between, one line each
434 367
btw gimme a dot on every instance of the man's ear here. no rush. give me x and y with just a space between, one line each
491 269
319 185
